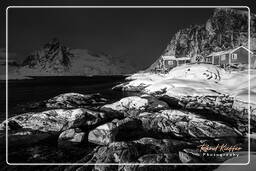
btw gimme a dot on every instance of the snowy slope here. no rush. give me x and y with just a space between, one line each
196 80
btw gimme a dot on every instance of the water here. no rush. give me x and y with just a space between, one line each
21 92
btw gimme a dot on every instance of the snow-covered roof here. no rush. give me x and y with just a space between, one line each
174 58
183 58
168 57
228 51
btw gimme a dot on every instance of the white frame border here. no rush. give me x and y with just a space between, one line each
167 164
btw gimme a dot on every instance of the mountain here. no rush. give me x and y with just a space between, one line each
225 29
55 59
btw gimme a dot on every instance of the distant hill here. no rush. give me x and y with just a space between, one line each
225 29
54 59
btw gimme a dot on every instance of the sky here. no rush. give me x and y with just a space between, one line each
138 35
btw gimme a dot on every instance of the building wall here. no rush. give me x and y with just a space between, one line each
168 66
226 60
208 60
216 60
242 56
253 61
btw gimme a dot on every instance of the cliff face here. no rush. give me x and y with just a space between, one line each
225 29
53 57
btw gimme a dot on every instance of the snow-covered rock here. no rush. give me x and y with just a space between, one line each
184 124
103 134
74 100
133 105
71 137
139 81
114 131
47 121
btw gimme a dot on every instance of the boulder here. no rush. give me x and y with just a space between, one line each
133 105
74 100
70 137
159 158
117 152
149 145
103 134
177 123
47 121
91 119
117 130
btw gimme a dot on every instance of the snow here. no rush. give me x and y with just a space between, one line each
198 80
178 88
237 84
197 72
132 102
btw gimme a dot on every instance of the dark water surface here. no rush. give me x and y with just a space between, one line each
21 92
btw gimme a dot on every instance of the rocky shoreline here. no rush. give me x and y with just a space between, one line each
136 129
166 122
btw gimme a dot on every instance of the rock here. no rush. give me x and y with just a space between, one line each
74 100
241 110
183 124
115 130
91 119
131 106
71 136
138 81
116 152
159 158
190 156
103 134
153 146
47 121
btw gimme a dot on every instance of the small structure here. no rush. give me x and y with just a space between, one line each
238 55
169 62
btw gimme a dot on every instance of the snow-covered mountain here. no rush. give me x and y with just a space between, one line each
225 29
55 59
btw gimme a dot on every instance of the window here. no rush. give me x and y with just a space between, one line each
223 57
234 56
170 62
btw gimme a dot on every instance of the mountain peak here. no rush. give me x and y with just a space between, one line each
225 29
56 59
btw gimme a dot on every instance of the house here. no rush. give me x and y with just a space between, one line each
238 55
169 62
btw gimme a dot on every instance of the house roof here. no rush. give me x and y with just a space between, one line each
174 58
228 51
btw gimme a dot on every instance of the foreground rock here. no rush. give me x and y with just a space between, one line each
71 137
133 105
64 101
163 124
145 150
184 124
74 100
59 120
112 131
51 120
